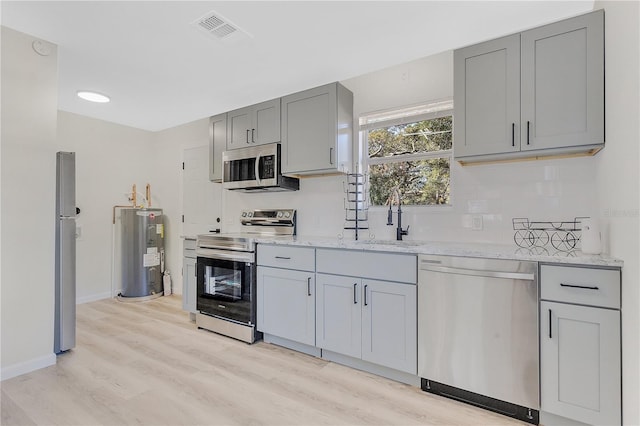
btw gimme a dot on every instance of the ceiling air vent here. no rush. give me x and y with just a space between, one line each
219 27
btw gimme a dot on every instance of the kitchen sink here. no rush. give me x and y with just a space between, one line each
392 243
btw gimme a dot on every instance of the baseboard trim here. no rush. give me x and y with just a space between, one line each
93 298
27 366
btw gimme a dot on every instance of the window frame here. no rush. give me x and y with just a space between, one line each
407 115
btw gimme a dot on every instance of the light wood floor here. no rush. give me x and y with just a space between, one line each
146 364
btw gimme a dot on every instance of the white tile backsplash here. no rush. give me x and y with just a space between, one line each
548 190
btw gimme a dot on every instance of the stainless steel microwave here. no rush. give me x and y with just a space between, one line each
256 169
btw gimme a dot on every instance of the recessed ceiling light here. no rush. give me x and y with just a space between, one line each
93 96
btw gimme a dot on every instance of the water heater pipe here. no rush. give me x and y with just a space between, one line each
148 194
134 195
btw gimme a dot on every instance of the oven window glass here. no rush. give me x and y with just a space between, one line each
223 282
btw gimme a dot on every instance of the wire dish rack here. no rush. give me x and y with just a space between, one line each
541 236
356 209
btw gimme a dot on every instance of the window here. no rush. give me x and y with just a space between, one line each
409 149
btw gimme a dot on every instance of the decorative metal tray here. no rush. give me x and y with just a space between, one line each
563 236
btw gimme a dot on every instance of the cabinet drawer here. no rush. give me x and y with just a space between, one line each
585 286
189 248
368 264
289 257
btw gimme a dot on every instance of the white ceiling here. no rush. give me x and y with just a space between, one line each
160 71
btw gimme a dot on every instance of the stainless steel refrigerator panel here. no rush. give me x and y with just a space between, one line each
66 184
65 310
479 331
65 277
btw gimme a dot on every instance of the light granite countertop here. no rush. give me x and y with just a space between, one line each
491 251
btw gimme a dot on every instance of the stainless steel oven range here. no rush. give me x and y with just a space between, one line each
226 273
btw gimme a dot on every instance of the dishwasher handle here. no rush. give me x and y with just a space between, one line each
427 266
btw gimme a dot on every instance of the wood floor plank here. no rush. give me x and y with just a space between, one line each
146 363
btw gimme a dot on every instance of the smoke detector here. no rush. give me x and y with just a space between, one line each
218 27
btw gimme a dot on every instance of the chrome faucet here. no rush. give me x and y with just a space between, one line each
395 194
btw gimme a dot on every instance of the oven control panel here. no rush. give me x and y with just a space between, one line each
280 218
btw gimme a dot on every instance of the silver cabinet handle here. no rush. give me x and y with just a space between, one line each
247 135
331 156
513 134
550 337
365 294
528 123
252 133
355 289
585 287
283 257
309 286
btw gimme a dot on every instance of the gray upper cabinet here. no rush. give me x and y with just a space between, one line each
217 144
537 93
317 130
487 74
563 83
254 125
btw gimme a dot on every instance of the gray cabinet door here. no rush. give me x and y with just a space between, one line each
189 284
563 83
286 304
239 128
338 314
309 125
254 125
487 98
266 123
580 362
389 325
217 144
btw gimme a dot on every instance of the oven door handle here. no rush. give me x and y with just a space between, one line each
235 256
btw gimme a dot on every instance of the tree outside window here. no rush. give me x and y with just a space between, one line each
413 157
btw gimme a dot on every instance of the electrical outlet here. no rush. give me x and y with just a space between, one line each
476 223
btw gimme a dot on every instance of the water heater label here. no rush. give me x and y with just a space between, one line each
152 250
151 259
160 230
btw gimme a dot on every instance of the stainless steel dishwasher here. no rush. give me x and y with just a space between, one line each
478 332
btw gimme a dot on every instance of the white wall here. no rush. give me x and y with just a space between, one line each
29 108
169 146
618 180
110 158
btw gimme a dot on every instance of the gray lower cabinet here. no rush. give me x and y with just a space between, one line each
286 293
536 93
368 319
286 304
189 276
366 306
339 314
580 346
